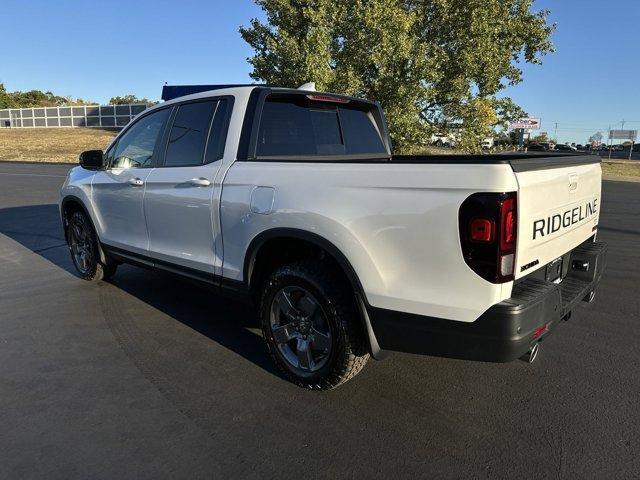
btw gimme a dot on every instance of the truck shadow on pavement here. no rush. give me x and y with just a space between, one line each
194 304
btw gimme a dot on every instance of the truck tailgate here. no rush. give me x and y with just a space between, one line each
558 207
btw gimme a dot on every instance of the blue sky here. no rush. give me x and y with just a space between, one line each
117 47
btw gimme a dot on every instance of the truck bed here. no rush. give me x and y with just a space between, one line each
520 162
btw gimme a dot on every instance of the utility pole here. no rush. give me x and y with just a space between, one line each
555 132
610 142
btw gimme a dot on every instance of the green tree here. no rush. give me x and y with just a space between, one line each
36 98
541 137
478 117
127 99
5 98
429 62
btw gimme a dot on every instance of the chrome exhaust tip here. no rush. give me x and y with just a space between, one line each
531 355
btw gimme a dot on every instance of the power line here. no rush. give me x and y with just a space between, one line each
588 121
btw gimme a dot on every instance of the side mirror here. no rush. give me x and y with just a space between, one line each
92 160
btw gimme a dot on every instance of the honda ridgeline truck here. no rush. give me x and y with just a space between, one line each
294 199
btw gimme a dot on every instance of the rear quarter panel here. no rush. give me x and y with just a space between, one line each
397 224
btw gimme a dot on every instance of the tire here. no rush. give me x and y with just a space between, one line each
85 249
318 328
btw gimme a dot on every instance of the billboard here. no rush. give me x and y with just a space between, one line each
527 123
623 134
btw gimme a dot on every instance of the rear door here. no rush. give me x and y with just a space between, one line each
558 208
118 191
179 193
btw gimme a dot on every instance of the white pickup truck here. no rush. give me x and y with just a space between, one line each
294 199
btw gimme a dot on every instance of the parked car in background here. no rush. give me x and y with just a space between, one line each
442 140
488 143
564 148
537 147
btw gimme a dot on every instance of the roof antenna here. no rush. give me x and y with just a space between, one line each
309 86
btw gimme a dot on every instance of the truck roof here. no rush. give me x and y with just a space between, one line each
171 93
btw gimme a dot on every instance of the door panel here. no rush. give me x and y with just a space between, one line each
119 209
178 210
179 195
118 192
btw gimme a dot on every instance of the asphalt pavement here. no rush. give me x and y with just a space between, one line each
150 377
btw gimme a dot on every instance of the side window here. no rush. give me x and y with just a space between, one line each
189 132
108 155
218 133
135 148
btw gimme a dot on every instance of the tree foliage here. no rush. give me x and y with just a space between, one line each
127 99
428 62
36 98
540 137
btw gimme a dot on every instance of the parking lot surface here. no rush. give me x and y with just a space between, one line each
150 377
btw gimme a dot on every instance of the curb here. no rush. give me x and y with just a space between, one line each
610 178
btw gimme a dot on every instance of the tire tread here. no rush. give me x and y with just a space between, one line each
353 352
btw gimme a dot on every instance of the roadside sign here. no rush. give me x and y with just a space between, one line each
623 134
528 123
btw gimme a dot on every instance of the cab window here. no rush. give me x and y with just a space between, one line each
135 149
188 136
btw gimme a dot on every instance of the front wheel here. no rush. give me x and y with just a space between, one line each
311 326
84 248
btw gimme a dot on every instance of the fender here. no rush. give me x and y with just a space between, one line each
72 198
260 239
63 204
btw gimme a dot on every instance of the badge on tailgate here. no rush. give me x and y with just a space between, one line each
573 182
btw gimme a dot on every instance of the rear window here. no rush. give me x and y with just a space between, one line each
297 126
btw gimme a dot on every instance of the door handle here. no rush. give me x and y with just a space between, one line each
199 182
136 182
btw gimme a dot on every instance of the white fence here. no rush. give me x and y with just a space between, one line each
80 116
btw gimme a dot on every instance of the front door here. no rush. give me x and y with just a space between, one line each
179 194
118 191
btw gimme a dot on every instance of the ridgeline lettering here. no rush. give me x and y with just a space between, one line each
552 224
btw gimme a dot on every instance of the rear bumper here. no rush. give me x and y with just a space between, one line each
505 331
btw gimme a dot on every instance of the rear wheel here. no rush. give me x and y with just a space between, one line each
311 326
84 248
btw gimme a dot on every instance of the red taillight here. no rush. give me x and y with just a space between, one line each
488 234
508 232
481 230
508 224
